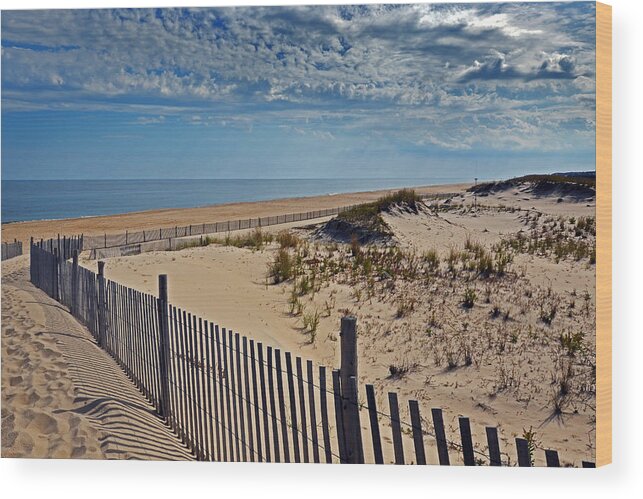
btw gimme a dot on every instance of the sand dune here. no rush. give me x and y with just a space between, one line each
513 368
506 364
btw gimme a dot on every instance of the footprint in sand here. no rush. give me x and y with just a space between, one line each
24 443
44 423
48 353
8 439
15 380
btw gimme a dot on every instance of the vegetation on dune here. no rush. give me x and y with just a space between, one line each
254 240
584 181
365 221
369 212
557 238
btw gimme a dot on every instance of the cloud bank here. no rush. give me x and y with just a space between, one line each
447 76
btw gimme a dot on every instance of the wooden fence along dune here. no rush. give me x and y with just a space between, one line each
134 242
11 250
230 398
168 233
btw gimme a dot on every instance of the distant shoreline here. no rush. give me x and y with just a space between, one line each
167 217
55 200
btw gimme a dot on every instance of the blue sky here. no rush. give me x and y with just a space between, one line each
425 90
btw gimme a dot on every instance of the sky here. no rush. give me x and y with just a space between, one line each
374 91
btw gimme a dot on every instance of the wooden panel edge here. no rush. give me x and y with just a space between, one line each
603 234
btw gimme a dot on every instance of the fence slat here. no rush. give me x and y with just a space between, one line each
302 410
396 430
255 398
416 423
273 407
282 405
234 396
323 409
178 378
217 410
246 380
226 376
239 382
203 396
375 426
220 376
551 456
467 442
264 402
293 408
188 380
440 437
194 356
339 417
522 449
494 446
313 414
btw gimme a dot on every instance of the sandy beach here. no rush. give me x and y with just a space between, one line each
184 216
62 396
501 361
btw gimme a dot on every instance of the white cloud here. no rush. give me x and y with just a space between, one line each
364 66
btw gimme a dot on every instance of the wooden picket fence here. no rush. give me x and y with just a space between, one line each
230 398
136 237
129 238
11 250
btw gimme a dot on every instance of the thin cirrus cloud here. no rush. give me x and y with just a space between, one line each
442 76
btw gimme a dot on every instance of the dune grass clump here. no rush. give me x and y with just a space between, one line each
195 243
369 216
548 313
469 299
572 342
287 239
254 240
402 197
399 370
431 260
311 323
281 268
405 306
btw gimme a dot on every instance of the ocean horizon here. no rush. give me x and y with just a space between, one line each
27 200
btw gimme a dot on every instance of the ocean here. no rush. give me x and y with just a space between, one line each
24 200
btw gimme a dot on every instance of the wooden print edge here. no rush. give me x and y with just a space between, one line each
603 234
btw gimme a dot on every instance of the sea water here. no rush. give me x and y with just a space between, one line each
55 199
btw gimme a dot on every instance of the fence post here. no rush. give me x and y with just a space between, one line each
55 269
348 384
102 325
74 282
164 348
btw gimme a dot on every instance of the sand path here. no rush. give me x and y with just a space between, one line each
62 396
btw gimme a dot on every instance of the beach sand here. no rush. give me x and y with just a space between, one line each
62 396
510 385
509 388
